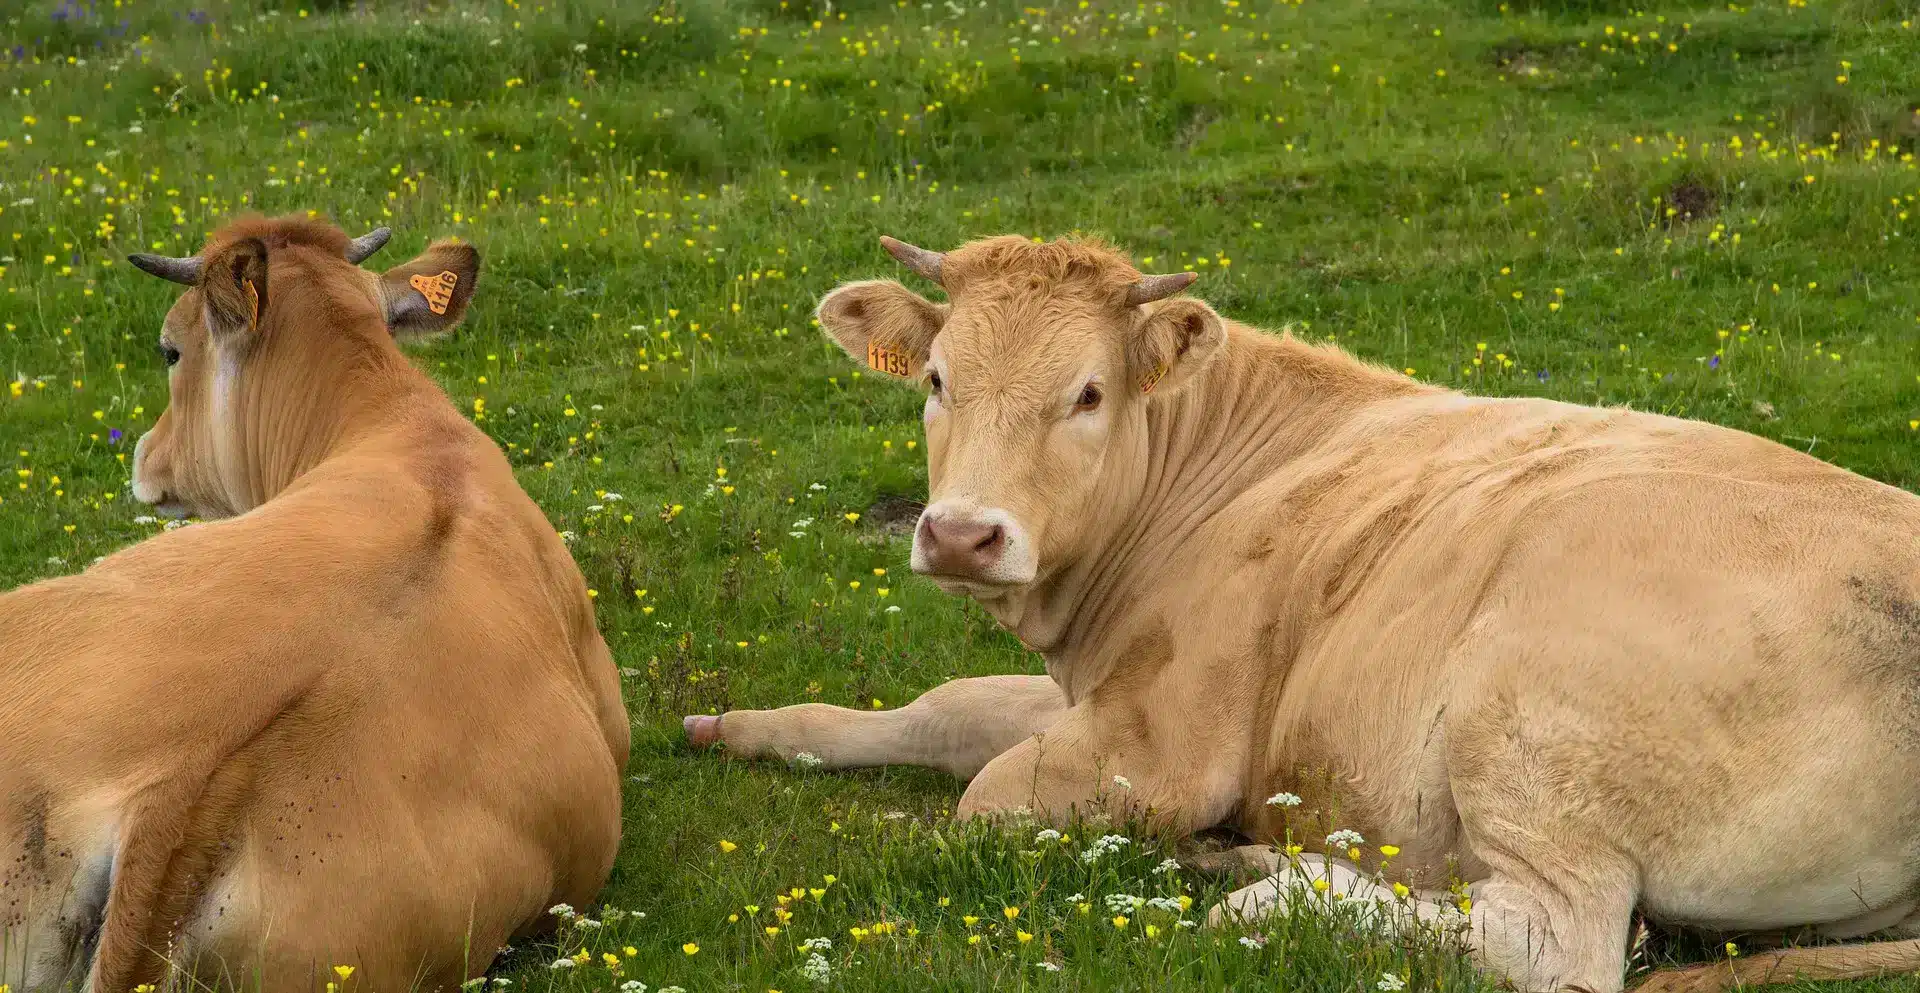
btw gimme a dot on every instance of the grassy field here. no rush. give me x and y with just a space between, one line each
1705 209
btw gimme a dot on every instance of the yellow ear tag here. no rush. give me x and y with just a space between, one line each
1153 378
253 302
437 289
880 358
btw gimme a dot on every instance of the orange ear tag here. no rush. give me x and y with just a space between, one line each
253 302
1153 378
437 289
880 358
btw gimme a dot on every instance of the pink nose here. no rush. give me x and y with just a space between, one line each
953 546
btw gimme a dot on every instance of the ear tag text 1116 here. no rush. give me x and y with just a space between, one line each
437 289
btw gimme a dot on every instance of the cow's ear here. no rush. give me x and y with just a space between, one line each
429 295
883 325
233 288
1172 341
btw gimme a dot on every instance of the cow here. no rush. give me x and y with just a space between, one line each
1584 660
359 716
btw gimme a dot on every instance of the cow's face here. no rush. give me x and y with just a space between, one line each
1037 373
266 327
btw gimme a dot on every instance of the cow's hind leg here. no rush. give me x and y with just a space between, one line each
1564 933
957 727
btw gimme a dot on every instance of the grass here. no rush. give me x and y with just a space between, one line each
1704 209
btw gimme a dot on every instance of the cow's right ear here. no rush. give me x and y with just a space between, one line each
883 325
428 295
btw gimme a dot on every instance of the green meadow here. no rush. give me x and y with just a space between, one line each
1701 209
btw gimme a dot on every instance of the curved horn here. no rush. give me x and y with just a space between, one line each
1151 288
367 244
918 259
185 271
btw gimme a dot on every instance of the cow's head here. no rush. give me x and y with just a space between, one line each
1038 370
277 314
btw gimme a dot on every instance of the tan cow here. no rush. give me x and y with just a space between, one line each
362 718
1600 660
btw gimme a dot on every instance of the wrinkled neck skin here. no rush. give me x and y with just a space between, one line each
1174 463
283 418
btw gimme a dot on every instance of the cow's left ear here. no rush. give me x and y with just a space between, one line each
233 290
1172 341
429 295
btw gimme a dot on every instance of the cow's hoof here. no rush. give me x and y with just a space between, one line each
702 729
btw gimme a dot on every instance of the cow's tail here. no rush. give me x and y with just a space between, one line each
132 947
1788 965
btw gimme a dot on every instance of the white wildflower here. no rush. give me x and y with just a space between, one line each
817 970
816 487
590 924
1123 782
613 498
580 47
146 519
893 609
1046 835
1166 903
673 989
1344 838
1391 983
560 965
1049 966
1186 923
807 760
568 536
594 508
1102 847
1283 799
1253 942
561 910
817 945
1120 903
1166 866
634 986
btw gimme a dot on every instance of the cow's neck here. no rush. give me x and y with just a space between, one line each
295 422
1264 402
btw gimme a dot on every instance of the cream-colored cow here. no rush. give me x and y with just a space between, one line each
1600 660
361 717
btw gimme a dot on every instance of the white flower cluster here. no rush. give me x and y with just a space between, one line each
1283 799
1343 839
1122 903
1167 903
817 945
817 969
1166 866
806 760
1046 835
1102 847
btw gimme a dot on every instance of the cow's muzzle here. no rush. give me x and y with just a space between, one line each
984 546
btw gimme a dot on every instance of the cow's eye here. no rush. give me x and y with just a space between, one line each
933 380
1089 399
170 354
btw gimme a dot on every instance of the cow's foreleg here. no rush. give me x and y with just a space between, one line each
957 727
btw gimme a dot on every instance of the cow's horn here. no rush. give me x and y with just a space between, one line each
185 271
1151 288
918 259
364 246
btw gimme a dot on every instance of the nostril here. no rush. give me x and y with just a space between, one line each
994 536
